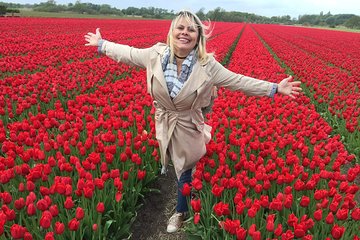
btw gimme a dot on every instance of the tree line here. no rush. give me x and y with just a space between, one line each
347 20
4 10
218 14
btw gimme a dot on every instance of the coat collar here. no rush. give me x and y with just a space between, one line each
155 65
197 77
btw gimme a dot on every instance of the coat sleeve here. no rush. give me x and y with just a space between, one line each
126 54
223 77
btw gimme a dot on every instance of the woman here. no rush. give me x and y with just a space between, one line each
181 78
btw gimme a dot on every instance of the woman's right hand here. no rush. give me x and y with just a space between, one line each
93 38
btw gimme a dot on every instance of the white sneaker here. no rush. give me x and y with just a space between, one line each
175 222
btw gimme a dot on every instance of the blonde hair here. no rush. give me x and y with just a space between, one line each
204 33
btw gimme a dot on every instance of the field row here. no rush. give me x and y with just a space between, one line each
329 70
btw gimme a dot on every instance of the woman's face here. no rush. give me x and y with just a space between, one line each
185 35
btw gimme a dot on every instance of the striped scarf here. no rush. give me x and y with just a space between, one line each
174 82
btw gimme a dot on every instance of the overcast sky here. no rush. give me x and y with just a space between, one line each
267 8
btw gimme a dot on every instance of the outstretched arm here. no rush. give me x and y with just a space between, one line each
252 86
118 52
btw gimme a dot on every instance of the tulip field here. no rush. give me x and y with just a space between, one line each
78 148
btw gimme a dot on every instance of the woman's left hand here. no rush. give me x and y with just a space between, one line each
288 88
93 38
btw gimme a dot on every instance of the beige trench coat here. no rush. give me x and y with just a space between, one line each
179 123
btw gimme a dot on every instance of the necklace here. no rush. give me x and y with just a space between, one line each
179 57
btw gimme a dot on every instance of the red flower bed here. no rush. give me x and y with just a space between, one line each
75 126
329 68
272 170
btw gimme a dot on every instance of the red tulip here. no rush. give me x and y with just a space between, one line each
21 187
27 236
118 196
342 214
264 201
6 197
248 202
307 237
10 213
231 225
329 218
252 212
30 186
337 231
45 220
196 218
118 184
42 205
100 207
49 236
252 229
241 233
270 222
287 235
318 215
88 192
221 209
186 190
240 206
19 203
197 184
217 190
73 224
17 231
334 205
31 210
276 205
59 228
292 220
79 213
125 175
99 183
114 173
68 204
288 200
94 158
141 174
355 214
304 202
54 210
299 230
94 227
123 157
103 167
196 205
278 231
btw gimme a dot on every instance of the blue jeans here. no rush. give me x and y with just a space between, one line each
182 205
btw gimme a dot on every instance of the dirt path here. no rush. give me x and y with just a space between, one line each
152 218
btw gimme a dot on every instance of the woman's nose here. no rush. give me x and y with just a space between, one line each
185 31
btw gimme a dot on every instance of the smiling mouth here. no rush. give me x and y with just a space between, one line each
184 40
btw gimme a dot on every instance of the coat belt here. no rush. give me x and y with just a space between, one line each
166 120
